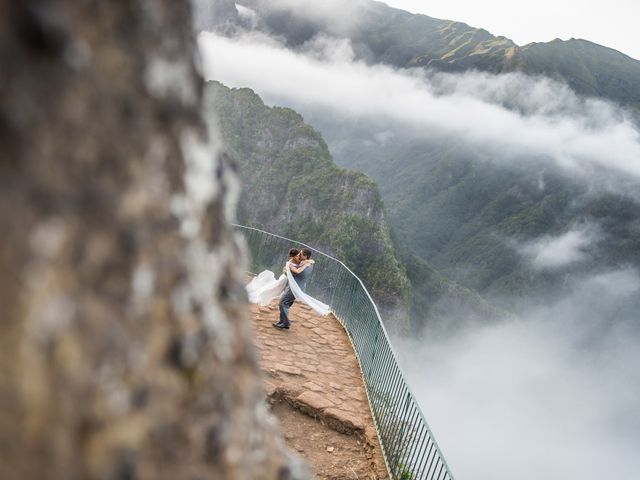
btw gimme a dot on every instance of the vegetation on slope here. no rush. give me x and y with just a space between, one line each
470 218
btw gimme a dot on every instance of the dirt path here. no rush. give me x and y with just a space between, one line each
315 387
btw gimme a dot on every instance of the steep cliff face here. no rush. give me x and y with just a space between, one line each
125 347
291 186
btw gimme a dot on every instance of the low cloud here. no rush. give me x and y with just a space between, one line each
248 16
551 252
505 116
530 96
336 16
328 49
553 395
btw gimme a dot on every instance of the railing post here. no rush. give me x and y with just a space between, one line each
373 353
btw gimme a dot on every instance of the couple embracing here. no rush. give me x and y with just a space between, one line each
300 267
289 287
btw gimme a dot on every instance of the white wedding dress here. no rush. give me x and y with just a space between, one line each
265 288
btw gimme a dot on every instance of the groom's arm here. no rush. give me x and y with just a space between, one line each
299 269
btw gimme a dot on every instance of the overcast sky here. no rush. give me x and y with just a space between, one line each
613 23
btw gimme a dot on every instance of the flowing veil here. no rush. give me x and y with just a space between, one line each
317 305
264 288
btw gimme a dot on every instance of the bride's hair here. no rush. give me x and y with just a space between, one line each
293 252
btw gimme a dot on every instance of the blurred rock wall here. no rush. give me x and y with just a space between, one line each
125 349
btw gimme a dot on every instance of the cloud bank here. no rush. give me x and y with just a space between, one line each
552 396
511 116
554 252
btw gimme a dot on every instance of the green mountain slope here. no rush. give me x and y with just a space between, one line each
471 217
588 68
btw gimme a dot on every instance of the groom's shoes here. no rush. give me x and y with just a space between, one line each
282 326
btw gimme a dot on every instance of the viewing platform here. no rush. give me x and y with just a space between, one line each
315 387
334 381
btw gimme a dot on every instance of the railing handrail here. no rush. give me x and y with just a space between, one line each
330 257
385 334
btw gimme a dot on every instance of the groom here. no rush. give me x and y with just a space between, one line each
301 274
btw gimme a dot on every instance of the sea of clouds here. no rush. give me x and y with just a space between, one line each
554 394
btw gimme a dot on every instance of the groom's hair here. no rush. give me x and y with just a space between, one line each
306 252
293 252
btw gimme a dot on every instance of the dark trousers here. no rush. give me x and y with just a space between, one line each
286 300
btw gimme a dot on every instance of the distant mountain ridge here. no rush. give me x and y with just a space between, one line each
381 34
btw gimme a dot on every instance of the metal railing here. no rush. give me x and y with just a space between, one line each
410 451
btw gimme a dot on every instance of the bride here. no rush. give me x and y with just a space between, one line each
264 288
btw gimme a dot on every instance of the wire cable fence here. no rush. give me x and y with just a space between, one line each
410 451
